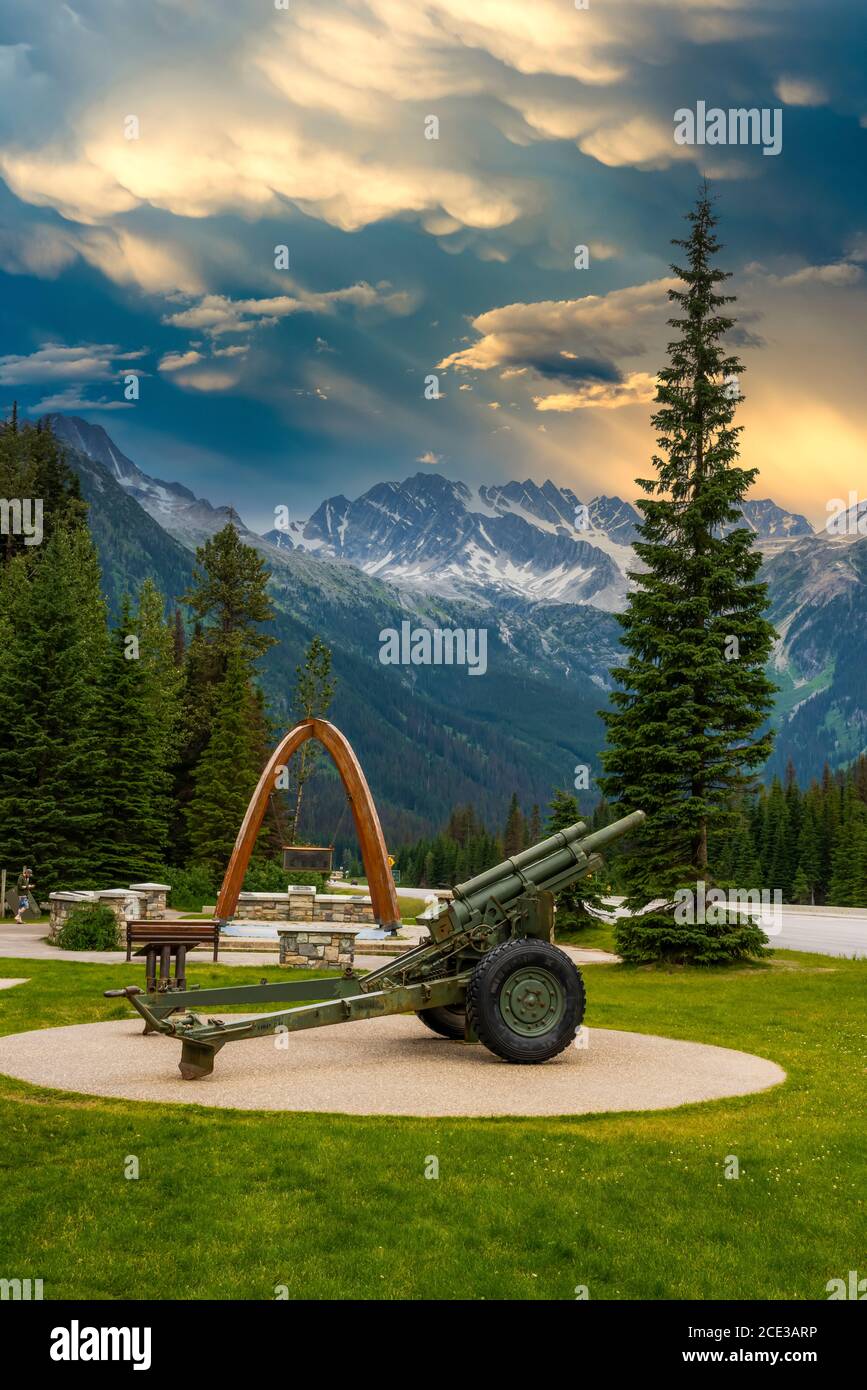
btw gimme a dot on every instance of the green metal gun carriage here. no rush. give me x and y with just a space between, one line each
488 971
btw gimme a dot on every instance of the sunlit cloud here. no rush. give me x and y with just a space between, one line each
801 91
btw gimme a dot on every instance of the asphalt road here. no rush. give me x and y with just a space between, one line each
831 933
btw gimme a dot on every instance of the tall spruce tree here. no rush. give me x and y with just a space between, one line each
685 732
513 833
580 903
228 770
53 639
33 470
136 743
229 597
229 600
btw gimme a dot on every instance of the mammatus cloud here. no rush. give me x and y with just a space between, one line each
326 105
125 257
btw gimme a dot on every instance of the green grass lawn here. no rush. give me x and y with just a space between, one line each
231 1204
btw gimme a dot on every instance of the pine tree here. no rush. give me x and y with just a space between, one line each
136 787
684 736
228 770
54 641
314 691
32 468
580 903
513 833
800 887
229 596
179 639
160 673
777 866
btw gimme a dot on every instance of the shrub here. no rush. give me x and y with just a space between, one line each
191 888
269 876
91 927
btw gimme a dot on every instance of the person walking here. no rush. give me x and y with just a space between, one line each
25 888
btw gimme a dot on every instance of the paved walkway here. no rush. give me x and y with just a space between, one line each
27 942
387 1066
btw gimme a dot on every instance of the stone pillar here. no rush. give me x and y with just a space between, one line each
341 907
153 898
61 904
117 899
318 945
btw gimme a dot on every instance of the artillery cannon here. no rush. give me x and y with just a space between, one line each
488 971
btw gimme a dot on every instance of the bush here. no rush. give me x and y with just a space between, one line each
191 889
91 927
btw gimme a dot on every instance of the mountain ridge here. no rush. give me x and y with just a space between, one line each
511 557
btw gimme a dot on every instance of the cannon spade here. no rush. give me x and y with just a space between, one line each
488 970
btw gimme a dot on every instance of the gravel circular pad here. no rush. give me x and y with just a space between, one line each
387 1066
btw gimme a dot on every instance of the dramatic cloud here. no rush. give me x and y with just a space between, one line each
571 341
123 256
328 104
637 389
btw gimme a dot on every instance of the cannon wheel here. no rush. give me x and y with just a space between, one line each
526 1000
449 1020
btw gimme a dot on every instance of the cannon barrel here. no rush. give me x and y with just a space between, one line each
521 861
552 864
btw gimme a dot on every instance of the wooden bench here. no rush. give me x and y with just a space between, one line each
159 941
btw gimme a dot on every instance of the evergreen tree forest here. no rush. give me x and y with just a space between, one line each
127 750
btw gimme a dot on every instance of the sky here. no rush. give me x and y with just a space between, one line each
285 217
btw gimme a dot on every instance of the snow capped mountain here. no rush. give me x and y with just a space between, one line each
190 519
516 539
770 522
538 567
512 540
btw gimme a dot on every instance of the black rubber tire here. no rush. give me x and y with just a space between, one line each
486 987
449 1020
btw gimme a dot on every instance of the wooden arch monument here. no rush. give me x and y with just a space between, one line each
370 837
